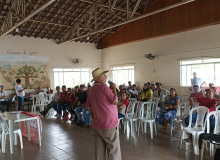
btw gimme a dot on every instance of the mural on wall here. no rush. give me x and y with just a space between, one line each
32 70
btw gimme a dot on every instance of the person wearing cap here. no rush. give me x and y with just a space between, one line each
3 100
133 92
196 81
153 86
20 93
81 107
102 105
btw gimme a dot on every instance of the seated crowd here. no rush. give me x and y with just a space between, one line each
71 102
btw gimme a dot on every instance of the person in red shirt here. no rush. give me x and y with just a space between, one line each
70 98
123 105
208 102
57 107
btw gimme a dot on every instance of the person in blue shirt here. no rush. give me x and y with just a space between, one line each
196 81
165 116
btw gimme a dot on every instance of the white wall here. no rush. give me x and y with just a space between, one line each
168 49
60 55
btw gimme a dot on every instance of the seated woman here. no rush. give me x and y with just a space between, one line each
122 105
169 112
147 93
208 102
196 94
160 93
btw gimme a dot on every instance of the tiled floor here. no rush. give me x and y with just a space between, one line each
66 141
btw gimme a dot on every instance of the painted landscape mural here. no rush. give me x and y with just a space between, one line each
32 70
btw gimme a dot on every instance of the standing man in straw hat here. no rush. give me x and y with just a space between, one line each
102 105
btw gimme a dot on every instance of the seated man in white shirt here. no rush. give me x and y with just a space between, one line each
3 99
133 92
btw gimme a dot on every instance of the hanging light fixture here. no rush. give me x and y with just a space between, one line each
17 29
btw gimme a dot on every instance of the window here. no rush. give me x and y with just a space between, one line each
122 74
207 69
71 77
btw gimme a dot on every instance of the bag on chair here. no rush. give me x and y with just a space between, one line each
33 128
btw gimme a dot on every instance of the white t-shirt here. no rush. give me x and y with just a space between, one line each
2 94
18 88
134 92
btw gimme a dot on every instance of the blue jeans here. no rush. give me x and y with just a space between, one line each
66 106
20 102
5 102
78 111
120 115
57 107
86 116
194 117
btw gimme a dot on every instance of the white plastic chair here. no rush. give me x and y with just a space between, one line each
147 115
36 103
132 102
196 129
216 115
132 116
185 98
5 132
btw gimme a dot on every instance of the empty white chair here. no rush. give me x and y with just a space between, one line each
132 102
50 98
182 112
197 128
36 102
5 132
216 115
148 115
133 115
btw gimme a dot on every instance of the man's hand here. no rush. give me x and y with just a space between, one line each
166 107
113 86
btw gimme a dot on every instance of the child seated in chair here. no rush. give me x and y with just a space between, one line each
123 105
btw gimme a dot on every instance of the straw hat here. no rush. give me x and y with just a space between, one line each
96 73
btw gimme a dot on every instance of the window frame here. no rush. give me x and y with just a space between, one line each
202 63
124 65
80 71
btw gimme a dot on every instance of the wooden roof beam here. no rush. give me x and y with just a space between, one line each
8 27
107 6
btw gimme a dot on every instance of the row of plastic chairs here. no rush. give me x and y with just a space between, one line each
202 124
145 113
40 100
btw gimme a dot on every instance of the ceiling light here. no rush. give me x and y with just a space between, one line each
17 30
88 38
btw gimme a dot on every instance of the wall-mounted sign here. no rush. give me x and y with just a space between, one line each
23 53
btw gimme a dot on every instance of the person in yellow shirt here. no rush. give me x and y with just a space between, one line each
147 93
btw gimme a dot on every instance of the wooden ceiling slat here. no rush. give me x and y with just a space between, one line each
67 12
